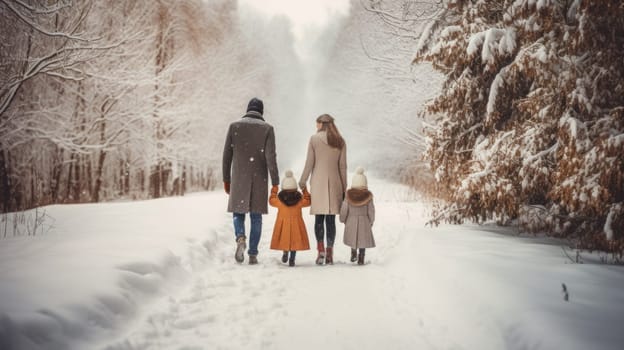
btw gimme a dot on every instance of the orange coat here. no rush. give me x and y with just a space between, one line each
289 232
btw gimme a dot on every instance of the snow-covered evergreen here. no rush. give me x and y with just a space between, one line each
531 112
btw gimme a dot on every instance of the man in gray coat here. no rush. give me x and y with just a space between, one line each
248 155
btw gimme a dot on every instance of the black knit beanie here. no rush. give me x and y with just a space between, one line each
255 104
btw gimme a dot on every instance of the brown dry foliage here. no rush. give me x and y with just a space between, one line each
553 134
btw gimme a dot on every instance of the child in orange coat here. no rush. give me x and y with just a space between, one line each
289 232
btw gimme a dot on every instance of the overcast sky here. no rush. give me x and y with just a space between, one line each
306 16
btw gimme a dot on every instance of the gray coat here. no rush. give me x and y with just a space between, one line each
248 155
358 214
328 167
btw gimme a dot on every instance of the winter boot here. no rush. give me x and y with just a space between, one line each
285 256
239 255
361 259
329 256
320 259
291 260
353 255
253 260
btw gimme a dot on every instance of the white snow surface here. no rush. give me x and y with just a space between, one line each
161 274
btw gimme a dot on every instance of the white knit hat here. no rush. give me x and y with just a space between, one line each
289 182
359 179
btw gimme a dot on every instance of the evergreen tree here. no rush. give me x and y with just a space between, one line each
531 114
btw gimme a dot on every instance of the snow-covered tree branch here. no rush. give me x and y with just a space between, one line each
531 112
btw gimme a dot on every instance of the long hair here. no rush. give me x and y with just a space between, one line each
334 139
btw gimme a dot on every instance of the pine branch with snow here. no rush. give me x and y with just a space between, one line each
531 112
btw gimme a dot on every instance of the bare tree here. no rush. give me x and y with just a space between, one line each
110 99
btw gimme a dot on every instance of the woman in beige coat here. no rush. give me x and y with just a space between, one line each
327 163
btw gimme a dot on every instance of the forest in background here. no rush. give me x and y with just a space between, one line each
132 100
367 81
123 99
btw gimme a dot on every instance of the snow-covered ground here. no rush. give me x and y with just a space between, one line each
160 274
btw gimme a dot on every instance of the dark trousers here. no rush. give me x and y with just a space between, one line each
320 223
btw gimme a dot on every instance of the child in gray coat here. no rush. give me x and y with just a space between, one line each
358 214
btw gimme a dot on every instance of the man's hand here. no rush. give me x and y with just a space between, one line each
226 187
275 188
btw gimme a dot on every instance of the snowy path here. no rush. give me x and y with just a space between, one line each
161 275
421 289
310 307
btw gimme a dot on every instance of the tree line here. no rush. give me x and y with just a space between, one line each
109 99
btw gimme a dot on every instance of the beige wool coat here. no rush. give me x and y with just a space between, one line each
358 215
328 169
